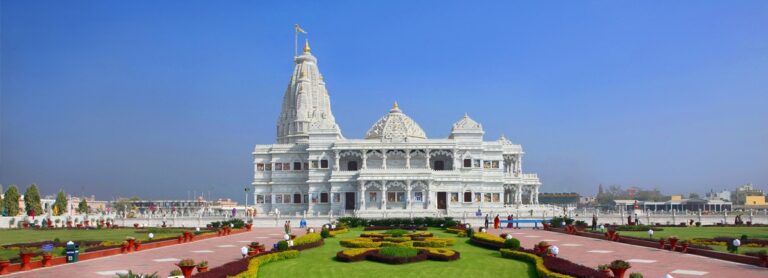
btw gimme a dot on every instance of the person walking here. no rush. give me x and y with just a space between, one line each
509 220
487 221
496 222
594 222
286 228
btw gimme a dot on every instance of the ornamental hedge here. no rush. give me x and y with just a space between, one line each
537 261
398 222
255 263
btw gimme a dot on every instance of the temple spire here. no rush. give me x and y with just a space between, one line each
306 46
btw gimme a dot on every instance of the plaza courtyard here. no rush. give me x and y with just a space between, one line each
474 262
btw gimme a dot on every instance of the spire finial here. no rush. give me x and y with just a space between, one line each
306 46
395 108
466 115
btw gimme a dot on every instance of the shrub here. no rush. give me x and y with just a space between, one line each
620 264
429 243
356 251
398 251
282 245
635 275
637 228
130 274
307 239
512 243
324 233
470 232
359 243
396 233
417 221
489 238
744 238
256 262
203 264
537 261
174 272
333 233
187 262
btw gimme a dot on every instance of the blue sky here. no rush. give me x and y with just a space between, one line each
157 98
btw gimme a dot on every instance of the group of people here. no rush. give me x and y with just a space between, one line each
497 221
287 227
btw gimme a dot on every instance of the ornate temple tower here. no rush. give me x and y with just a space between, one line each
306 104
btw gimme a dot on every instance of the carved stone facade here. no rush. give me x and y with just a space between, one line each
395 171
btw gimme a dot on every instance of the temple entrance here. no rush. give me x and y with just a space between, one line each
349 200
442 200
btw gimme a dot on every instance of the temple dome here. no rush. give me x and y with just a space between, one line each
395 126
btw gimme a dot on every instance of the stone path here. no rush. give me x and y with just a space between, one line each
217 251
651 262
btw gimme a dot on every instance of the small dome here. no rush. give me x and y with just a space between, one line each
466 124
395 126
504 141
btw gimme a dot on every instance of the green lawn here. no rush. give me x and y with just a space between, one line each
10 236
705 232
708 232
474 262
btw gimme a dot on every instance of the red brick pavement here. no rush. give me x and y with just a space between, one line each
651 262
216 251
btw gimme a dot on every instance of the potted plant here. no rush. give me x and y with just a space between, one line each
86 222
26 255
181 238
673 243
4 263
635 275
202 266
175 273
131 240
542 247
124 247
661 243
186 236
186 266
684 245
136 245
604 269
47 255
619 267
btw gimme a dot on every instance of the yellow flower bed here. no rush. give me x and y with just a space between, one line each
537 261
359 243
488 237
338 232
253 264
454 231
438 251
356 251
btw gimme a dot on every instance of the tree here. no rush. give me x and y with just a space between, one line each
11 202
61 203
83 206
32 200
694 196
2 205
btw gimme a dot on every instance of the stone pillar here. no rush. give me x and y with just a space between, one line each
536 195
407 159
408 194
336 162
384 159
362 195
383 196
365 159
427 156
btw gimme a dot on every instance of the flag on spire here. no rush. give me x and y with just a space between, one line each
298 29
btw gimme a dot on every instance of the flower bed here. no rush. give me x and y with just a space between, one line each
404 227
337 231
537 262
486 240
355 254
441 254
247 267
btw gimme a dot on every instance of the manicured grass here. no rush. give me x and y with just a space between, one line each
10 236
474 262
709 232
704 232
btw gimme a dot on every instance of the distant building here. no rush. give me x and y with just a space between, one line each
587 200
724 195
754 201
742 192
676 198
674 204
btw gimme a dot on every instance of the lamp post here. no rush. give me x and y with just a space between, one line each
245 209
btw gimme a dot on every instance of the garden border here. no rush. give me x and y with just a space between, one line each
691 250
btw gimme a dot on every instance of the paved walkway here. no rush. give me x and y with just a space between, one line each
217 251
651 262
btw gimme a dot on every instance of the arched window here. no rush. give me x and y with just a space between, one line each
352 166
439 165
467 197
297 198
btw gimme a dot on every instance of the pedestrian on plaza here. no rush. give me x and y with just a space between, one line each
496 222
487 221
594 222
509 220
287 228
